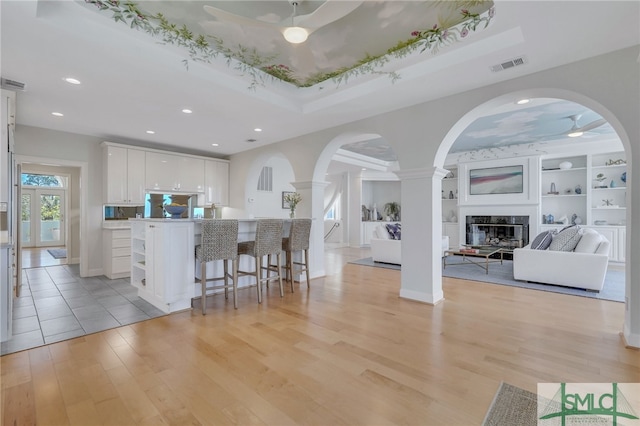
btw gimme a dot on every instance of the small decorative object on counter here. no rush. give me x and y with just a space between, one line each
550 218
451 195
612 184
578 189
292 199
623 177
552 189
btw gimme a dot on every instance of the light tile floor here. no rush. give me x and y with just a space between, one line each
57 304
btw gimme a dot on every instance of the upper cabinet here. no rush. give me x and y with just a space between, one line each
216 178
171 172
124 178
129 173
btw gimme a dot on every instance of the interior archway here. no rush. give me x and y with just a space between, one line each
443 157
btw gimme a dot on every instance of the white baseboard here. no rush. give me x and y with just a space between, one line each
94 272
631 340
421 297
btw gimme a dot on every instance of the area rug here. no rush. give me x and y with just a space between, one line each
503 274
512 406
58 253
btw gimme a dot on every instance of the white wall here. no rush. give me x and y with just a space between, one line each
269 204
51 145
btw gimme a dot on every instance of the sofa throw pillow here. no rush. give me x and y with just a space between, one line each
567 239
543 240
589 242
394 230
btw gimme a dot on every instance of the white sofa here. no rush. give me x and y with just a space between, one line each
585 267
386 250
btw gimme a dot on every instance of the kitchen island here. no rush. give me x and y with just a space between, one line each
163 264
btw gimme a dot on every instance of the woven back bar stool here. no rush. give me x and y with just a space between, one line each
268 242
297 241
219 242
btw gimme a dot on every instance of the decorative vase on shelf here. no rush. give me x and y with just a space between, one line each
578 189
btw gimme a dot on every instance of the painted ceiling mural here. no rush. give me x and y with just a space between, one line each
345 38
548 121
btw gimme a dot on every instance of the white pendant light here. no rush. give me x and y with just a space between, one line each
294 34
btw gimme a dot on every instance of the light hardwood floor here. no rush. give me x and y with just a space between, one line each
348 351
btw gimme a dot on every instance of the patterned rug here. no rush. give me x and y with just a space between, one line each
58 253
503 274
512 406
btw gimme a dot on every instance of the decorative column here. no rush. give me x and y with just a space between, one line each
312 205
422 234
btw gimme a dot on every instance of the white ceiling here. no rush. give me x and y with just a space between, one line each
131 83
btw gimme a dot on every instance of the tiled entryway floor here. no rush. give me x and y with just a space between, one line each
57 304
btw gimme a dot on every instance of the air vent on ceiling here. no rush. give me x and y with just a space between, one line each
521 60
7 84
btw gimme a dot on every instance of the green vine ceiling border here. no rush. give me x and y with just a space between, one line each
257 67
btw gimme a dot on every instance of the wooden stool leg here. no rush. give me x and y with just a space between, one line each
203 282
259 284
279 272
306 265
290 268
234 268
226 278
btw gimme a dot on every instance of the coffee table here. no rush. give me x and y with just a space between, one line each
471 258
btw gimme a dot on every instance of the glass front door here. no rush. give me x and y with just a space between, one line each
43 215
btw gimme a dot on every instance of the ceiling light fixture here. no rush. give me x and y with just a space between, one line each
72 80
575 134
215 144
151 132
523 101
294 34
57 114
187 111
257 129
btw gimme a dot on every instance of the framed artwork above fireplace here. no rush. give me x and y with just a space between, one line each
496 180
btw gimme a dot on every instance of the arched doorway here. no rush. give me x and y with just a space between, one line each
613 223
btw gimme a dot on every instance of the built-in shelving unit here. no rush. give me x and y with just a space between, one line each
450 226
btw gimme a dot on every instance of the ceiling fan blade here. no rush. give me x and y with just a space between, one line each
327 13
592 125
224 16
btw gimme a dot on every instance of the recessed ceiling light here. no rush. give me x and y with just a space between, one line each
523 101
215 144
72 80
364 168
257 129
57 114
575 134
187 111
151 132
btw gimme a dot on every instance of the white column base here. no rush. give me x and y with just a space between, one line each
417 296
630 340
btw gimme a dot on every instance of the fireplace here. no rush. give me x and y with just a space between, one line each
507 232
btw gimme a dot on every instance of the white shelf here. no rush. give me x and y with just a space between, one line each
615 188
609 208
573 169
562 195
615 166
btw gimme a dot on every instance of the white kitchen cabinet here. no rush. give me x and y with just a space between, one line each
170 172
216 177
162 262
116 253
124 175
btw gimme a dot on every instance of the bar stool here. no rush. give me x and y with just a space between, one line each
298 240
219 242
268 242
